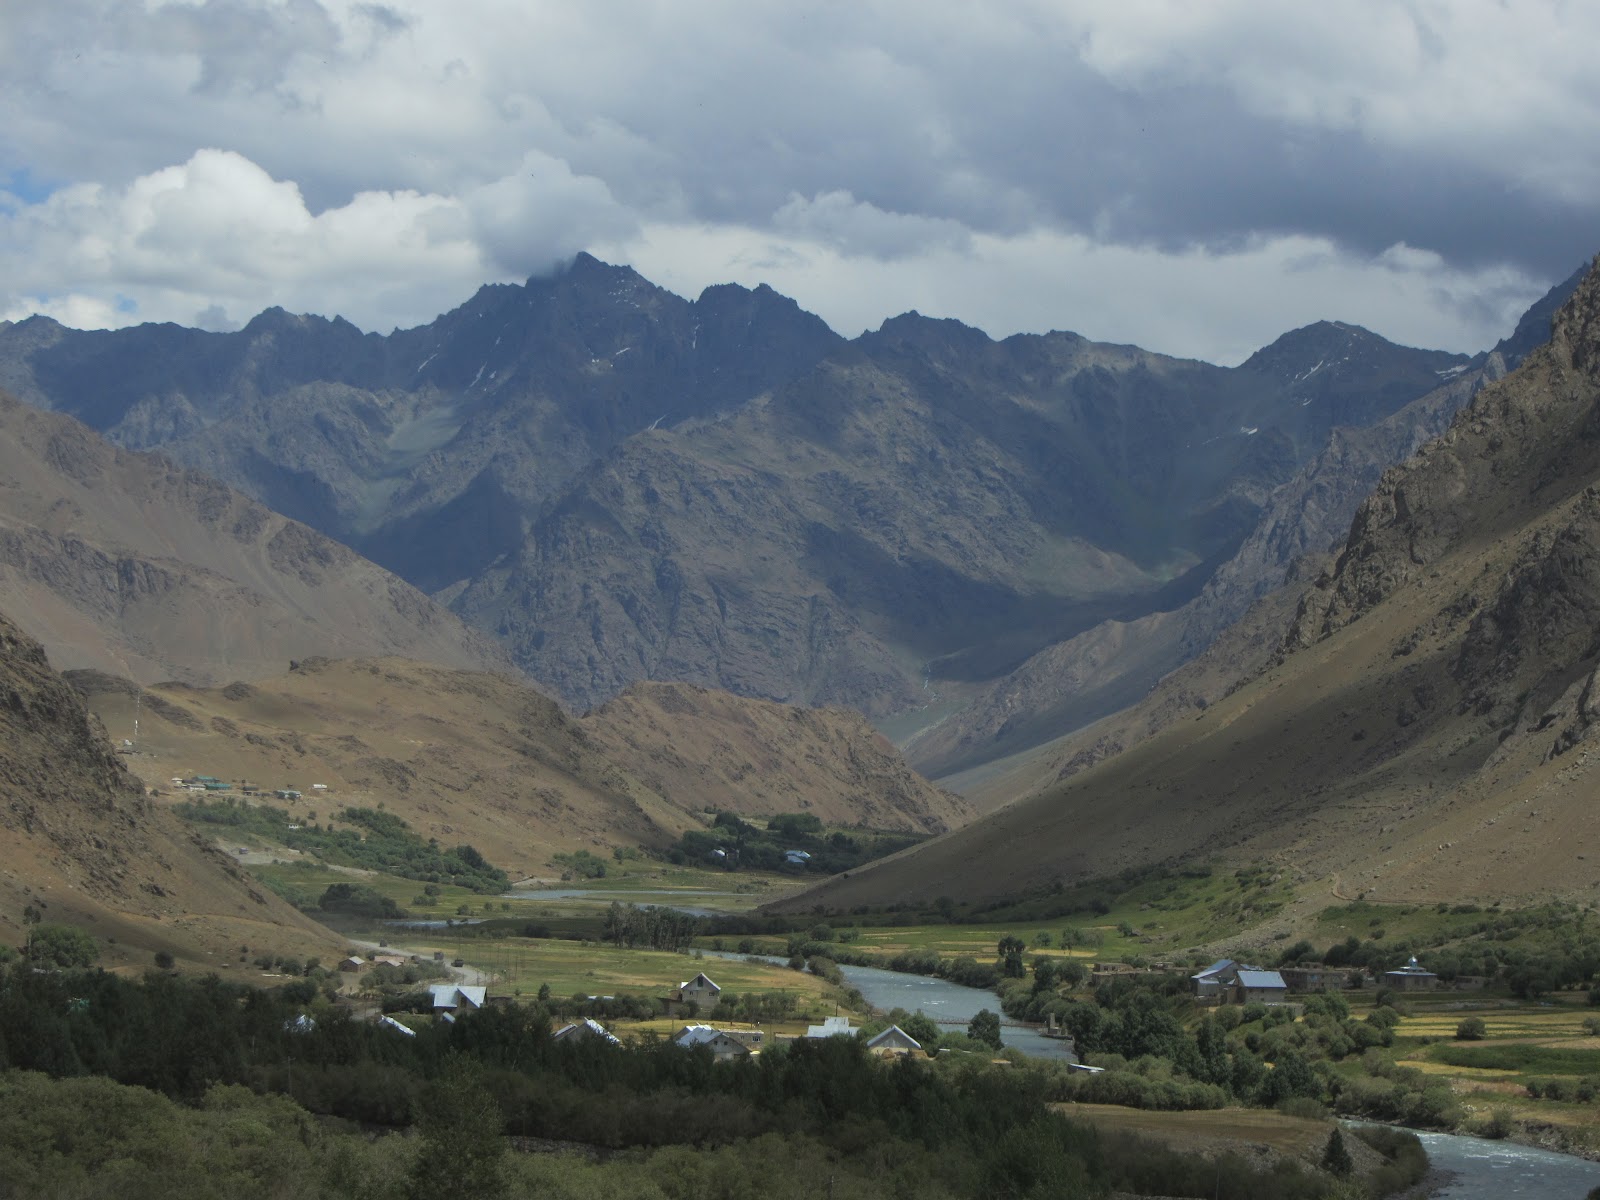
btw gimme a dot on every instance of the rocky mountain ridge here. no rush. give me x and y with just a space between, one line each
1108 677
620 484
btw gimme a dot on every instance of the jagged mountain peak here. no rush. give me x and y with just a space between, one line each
913 330
1333 345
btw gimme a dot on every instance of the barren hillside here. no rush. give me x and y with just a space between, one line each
466 757
83 844
1425 731
122 562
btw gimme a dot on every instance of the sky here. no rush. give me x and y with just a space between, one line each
1194 178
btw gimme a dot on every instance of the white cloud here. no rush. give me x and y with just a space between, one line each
1191 303
218 235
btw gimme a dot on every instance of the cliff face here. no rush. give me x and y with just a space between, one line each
1523 451
1422 732
84 845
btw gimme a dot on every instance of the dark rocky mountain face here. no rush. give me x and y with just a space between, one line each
402 445
622 484
1116 665
924 504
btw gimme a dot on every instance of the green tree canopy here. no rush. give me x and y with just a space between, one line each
62 946
985 1028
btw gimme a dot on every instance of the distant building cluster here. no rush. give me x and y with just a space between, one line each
1227 981
210 783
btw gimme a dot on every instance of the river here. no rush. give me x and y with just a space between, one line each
1479 1169
1484 1170
949 1004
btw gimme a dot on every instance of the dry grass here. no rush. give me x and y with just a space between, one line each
1298 1136
472 758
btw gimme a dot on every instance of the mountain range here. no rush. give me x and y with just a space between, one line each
985 544
617 484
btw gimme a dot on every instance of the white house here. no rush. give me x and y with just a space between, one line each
894 1041
831 1027
719 1043
699 991
582 1031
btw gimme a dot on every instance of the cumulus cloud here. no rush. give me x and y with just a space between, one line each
233 153
219 236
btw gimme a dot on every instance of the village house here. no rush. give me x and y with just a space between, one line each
1314 977
831 1027
699 992
584 1030
1216 980
353 964
894 1042
452 999
721 1045
1413 977
1265 986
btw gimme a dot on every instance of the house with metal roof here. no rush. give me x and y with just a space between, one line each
894 1042
699 991
453 998
582 1031
1413 977
1266 986
721 1045
1216 979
